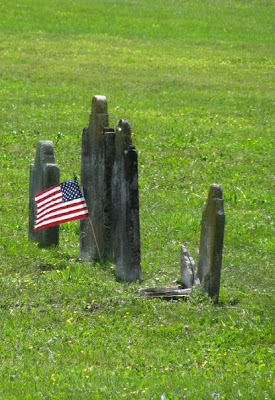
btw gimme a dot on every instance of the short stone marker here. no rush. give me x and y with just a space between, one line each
187 269
44 173
211 242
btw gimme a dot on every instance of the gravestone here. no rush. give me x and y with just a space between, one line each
92 245
187 269
109 158
109 175
44 173
211 242
125 200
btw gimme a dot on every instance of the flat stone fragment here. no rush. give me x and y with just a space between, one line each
211 242
165 292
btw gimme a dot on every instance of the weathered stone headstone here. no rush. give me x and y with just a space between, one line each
211 242
92 178
125 199
109 158
110 184
44 173
187 269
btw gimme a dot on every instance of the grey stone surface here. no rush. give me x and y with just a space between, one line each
109 175
109 158
165 292
92 179
187 269
44 173
126 206
211 242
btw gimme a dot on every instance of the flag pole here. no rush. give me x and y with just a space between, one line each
100 258
91 224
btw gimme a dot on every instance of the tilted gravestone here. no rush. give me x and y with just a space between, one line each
125 200
92 244
44 173
211 242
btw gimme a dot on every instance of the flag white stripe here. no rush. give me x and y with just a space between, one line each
50 221
50 191
63 210
55 205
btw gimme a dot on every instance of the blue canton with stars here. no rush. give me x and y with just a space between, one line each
70 190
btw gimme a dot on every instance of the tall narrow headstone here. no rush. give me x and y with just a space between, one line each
125 199
211 242
109 158
44 173
92 177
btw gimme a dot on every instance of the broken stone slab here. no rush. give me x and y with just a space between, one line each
168 292
188 273
211 242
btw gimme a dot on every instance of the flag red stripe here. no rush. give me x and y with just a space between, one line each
58 222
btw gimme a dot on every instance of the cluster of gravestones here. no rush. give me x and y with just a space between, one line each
109 177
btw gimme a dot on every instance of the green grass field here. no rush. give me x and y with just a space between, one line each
196 81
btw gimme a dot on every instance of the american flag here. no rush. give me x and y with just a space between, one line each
59 204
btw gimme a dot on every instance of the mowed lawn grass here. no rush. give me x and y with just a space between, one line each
195 79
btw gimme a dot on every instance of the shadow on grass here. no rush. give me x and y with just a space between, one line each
51 267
